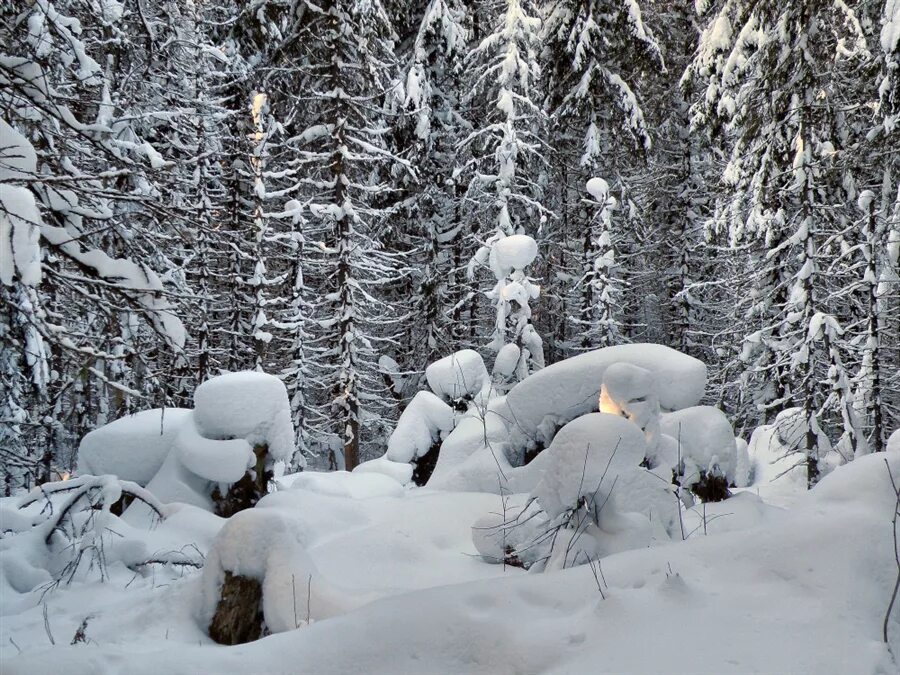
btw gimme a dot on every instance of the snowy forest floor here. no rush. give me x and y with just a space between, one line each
773 580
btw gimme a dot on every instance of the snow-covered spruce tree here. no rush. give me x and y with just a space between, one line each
593 54
202 175
76 176
878 245
340 60
679 192
506 149
429 214
600 326
765 71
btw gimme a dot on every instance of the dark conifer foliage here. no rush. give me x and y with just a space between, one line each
314 189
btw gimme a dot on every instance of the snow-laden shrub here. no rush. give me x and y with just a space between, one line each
418 434
583 462
474 455
71 530
247 405
590 498
790 430
223 452
459 379
707 450
133 447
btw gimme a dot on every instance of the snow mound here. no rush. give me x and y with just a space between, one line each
267 545
133 447
563 391
462 375
585 458
400 471
474 455
249 405
706 440
424 422
641 491
506 361
350 485
777 476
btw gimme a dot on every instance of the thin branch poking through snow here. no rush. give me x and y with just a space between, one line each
887 614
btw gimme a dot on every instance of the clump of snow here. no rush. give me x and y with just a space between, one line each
266 545
424 422
219 461
506 361
249 405
19 215
777 475
653 496
174 483
515 252
565 390
17 156
462 375
213 444
706 442
585 458
20 249
132 447
743 469
598 189
631 391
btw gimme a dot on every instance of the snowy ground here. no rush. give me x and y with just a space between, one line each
397 588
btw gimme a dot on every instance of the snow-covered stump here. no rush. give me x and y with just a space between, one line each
239 616
707 451
416 440
241 426
246 492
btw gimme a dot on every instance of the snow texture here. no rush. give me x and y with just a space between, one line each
893 444
598 189
400 471
473 456
421 602
133 447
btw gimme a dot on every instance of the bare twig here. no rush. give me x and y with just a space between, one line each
47 625
894 520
